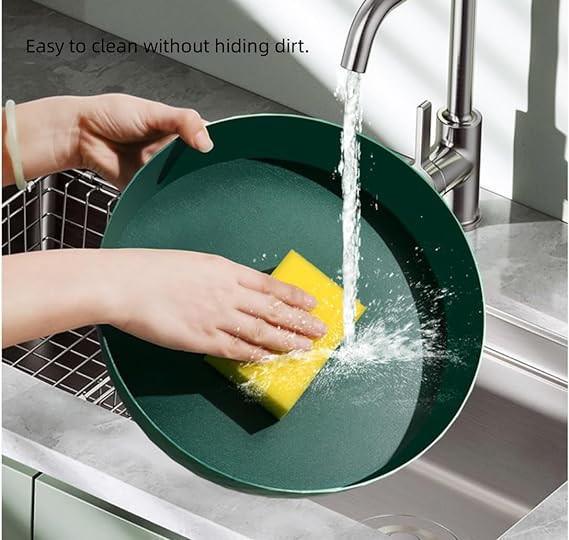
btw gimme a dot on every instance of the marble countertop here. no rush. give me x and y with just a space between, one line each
546 522
522 256
111 458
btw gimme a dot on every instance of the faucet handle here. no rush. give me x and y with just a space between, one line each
422 135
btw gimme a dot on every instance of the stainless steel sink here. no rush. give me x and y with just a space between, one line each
505 453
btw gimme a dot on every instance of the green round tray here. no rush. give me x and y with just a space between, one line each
270 186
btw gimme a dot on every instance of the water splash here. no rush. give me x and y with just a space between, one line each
393 336
392 333
349 93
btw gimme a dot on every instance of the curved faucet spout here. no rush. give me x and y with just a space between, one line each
452 163
362 32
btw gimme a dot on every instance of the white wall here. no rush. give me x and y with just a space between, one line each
524 152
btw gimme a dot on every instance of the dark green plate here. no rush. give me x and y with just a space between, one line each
269 186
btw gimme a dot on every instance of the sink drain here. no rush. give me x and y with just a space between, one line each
407 527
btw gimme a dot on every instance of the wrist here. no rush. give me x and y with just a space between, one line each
48 134
105 287
67 131
114 298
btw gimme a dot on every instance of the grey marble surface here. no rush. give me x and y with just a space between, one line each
522 257
31 76
521 254
109 457
547 522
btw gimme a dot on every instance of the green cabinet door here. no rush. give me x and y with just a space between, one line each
64 513
17 500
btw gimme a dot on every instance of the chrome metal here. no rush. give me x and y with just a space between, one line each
423 139
407 527
531 346
453 166
362 32
464 140
67 210
461 61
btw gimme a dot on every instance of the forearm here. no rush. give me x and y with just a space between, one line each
47 292
48 131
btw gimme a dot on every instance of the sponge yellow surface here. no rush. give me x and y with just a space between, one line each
277 384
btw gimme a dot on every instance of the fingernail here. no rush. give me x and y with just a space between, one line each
311 301
320 327
304 344
203 141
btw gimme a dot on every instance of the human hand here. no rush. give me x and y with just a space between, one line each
118 133
207 304
111 134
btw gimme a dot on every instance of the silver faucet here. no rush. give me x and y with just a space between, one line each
452 163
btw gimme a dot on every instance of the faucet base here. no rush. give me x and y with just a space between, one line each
464 139
465 204
472 225
467 225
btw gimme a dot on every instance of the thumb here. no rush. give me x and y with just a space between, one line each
186 123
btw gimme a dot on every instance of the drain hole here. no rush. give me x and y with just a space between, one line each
403 536
407 527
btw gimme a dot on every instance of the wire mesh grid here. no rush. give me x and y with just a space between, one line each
66 210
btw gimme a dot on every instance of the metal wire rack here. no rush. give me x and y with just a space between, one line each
64 210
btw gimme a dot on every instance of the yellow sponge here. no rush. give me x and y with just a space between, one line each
279 383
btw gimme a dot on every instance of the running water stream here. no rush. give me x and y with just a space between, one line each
392 335
349 168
